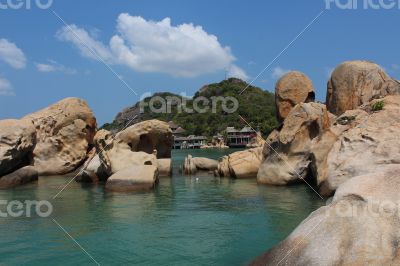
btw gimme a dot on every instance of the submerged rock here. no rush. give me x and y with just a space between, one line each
355 83
292 89
20 177
17 141
64 133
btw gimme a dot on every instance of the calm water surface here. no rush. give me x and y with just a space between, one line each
186 221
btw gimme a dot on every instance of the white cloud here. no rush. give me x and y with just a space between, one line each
86 43
11 54
155 46
6 88
53 66
236 72
278 72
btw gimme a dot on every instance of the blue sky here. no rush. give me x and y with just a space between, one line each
249 34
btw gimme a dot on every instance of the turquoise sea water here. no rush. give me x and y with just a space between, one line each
185 221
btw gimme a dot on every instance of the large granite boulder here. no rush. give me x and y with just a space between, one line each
113 155
290 90
17 141
20 177
287 152
360 227
194 165
64 133
355 83
148 136
133 179
362 141
242 164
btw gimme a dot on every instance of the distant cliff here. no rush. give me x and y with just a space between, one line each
254 104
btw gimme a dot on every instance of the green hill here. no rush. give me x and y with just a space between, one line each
255 105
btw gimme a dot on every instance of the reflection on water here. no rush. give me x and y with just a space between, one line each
198 221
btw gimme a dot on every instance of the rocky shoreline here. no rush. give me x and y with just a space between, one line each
63 138
347 148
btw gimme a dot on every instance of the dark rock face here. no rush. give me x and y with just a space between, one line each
20 177
17 141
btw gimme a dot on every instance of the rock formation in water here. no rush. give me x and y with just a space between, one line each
354 156
17 141
242 164
148 136
53 141
62 137
136 147
193 165
287 154
64 133
290 90
19 177
134 178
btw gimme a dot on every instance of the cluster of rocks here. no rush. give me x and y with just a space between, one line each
63 138
133 159
53 141
348 148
